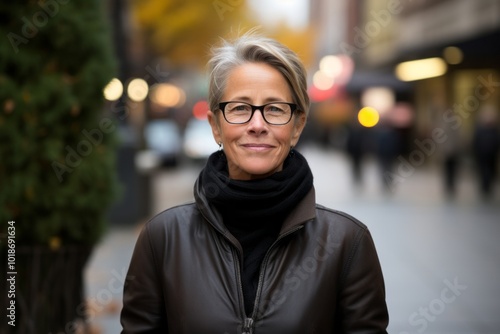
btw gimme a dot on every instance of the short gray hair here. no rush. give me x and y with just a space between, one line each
254 48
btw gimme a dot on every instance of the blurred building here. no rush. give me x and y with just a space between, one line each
329 21
461 37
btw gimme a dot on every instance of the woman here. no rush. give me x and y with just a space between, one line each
254 253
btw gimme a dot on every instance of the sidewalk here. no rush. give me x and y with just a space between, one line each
105 277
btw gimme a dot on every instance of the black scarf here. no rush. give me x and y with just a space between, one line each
258 199
254 210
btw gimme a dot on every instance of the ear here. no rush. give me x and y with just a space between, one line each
214 123
298 126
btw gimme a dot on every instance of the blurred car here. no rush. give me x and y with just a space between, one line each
163 139
199 142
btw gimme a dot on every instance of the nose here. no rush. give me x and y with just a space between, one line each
257 122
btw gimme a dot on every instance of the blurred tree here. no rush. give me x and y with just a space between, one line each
182 31
56 154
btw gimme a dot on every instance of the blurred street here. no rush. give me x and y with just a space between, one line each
439 255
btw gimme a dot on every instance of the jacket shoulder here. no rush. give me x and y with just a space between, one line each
167 227
177 214
330 216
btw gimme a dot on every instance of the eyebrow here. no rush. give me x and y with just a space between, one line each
266 100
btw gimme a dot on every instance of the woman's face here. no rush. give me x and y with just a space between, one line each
256 149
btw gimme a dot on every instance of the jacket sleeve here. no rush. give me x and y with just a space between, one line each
362 292
143 303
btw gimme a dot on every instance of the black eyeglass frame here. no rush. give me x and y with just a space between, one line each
293 108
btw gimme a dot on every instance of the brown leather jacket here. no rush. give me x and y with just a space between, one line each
322 275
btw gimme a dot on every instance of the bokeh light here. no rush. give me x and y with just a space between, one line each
113 90
453 55
168 95
200 109
337 67
331 66
421 69
368 117
322 81
137 90
380 98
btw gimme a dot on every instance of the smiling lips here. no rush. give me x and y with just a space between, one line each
257 147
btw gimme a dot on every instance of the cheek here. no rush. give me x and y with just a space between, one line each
230 133
289 135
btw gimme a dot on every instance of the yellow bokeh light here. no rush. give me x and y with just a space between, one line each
421 69
368 117
113 90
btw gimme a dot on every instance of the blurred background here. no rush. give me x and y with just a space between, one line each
409 84
403 131
403 134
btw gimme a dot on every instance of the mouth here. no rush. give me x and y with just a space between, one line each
257 147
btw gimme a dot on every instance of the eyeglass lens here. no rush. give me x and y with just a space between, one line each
273 113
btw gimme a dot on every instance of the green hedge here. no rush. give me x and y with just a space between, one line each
57 144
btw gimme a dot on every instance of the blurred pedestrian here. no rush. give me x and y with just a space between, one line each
254 253
388 148
486 145
449 154
355 148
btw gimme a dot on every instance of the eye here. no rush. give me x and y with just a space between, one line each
276 108
238 107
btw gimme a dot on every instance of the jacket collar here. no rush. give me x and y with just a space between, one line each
303 212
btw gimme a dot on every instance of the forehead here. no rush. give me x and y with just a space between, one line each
256 80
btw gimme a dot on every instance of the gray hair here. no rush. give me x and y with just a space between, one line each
254 48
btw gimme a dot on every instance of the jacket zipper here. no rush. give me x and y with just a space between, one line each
238 255
240 285
248 326
261 274
248 323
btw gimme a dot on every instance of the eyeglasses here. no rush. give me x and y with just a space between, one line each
275 113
